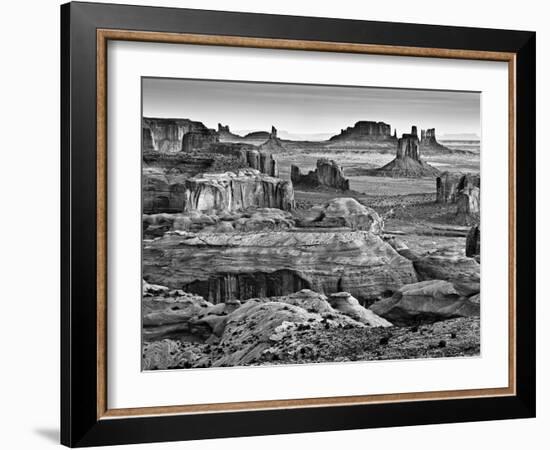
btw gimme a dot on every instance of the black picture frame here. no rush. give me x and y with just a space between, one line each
80 425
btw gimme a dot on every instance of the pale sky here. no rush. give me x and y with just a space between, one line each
309 109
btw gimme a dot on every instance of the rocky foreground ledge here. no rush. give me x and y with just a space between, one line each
183 330
226 266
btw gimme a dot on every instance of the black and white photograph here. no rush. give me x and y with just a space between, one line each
298 224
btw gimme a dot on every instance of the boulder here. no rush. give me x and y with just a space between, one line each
425 302
180 315
259 324
462 272
222 266
344 212
345 303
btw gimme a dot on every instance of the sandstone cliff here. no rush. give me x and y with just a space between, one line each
449 185
233 191
165 135
198 140
222 266
248 155
328 173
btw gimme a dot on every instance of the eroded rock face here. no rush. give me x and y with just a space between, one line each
472 241
462 272
179 327
328 173
222 266
467 203
176 314
450 184
165 135
260 219
233 191
425 302
198 140
248 156
344 212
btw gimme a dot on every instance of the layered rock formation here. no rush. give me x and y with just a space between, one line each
364 130
343 212
328 173
240 266
165 135
198 140
248 156
463 272
467 203
462 189
231 191
425 302
407 162
162 193
253 219
450 184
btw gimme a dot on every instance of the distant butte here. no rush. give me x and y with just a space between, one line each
365 130
407 162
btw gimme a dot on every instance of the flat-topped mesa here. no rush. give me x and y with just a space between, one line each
407 162
165 135
237 191
450 184
222 266
328 173
198 140
364 130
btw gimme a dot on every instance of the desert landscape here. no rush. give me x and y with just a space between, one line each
263 248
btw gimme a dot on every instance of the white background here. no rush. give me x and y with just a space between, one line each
29 390
129 387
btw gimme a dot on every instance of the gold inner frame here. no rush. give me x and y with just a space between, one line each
104 35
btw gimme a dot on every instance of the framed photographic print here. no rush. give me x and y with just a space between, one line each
276 224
